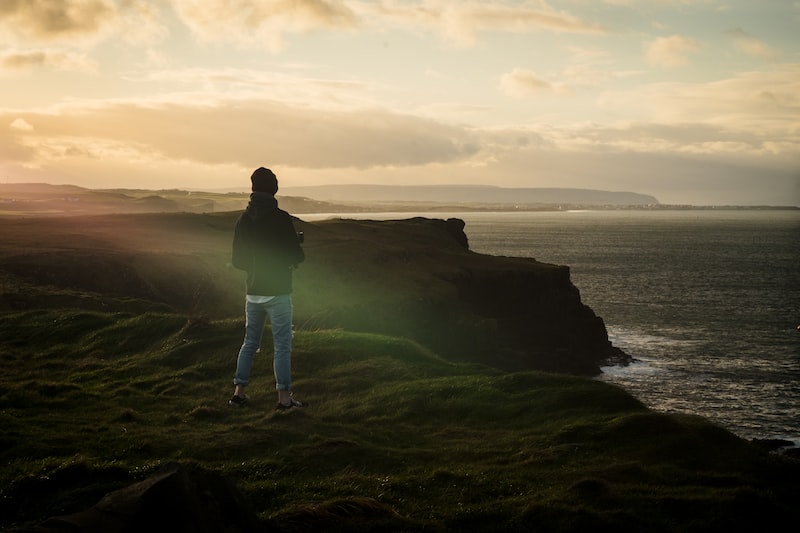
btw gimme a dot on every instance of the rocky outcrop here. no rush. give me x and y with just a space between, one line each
179 498
540 320
418 278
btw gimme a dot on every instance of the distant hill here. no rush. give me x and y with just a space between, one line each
53 200
469 194
47 199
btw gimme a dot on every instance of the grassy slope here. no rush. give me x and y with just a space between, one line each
90 401
113 372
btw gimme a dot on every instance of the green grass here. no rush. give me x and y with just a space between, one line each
395 438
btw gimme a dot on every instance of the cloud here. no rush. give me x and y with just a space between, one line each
460 22
48 59
752 46
268 23
56 19
763 102
250 22
671 52
20 125
215 142
75 22
239 132
522 82
673 178
261 22
688 138
525 82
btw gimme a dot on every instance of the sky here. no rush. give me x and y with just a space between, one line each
691 101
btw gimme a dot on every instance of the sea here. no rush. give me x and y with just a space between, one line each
707 301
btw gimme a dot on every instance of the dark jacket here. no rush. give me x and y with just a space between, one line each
266 246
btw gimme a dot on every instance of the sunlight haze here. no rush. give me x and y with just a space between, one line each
691 101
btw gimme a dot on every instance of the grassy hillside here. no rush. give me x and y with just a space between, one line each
118 340
91 401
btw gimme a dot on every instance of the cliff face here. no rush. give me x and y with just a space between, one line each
417 278
541 322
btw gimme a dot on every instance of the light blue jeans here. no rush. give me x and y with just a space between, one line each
279 310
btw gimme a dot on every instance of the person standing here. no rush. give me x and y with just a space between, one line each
266 246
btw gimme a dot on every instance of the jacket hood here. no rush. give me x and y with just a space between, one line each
261 204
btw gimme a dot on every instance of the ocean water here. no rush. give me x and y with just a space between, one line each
706 301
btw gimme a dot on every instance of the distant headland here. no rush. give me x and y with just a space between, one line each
42 199
476 195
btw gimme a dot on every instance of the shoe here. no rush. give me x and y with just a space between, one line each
293 404
239 401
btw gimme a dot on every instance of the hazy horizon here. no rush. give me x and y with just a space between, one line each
692 102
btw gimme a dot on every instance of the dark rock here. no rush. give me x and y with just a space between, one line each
456 228
541 322
781 446
179 498
792 452
772 444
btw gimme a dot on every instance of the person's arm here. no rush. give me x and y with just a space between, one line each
241 256
296 253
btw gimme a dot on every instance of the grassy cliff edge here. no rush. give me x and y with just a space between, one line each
101 387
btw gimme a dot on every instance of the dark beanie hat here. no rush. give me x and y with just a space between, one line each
264 181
